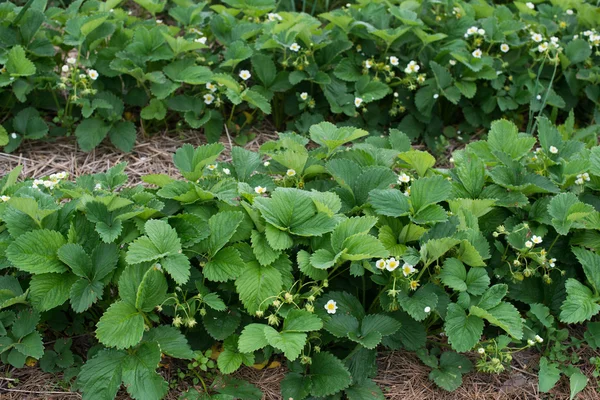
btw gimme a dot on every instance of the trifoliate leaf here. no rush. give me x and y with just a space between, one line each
463 331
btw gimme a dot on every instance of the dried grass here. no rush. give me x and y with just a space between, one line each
151 155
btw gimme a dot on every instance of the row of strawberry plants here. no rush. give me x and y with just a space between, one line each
319 257
95 70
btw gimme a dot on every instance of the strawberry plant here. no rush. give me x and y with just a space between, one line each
97 70
320 254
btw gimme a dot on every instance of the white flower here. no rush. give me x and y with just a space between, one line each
202 40
209 98
477 53
245 74
61 175
357 101
587 33
295 47
552 262
380 264
98 186
4 198
536 239
554 39
71 60
569 12
403 178
368 64
536 37
211 86
427 309
274 17
579 181
49 184
538 97
331 307
530 342
481 350
396 94
65 68
14 135
260 190
543 47
504 48
392 264
452 62
538 339
435 96
412 67
266 163
421 78
226 171
528 244
530 5
408 269
304 95
159 21
290 172
81 76
472 30
394 61
481 32
451 160
93 74
553 150
211 167
586 176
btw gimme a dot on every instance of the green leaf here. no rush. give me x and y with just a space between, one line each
328 375
504 316
123 135
389 202
291 343
253 338
578 50
191 162
100 377
185 71
140 376
580 304
245 162
75 257
301 321
370 90
590 262
223 226
577 382
50 290
31 345
420 161
264 68
256 284
214 301
170 340
504 137
17 63
454 275
152 290
84 293
120 326
367 390
548 376
257 100
493 296
36 252
463 331
566 210
90 133
415 304
226 265
178 266
426 191
328 135
221 325
262 251
449 374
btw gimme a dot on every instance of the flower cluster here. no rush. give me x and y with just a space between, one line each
582 178
52 181
474 31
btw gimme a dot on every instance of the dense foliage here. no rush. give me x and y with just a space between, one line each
317 256
98 70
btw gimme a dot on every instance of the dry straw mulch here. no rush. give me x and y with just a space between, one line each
151 155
